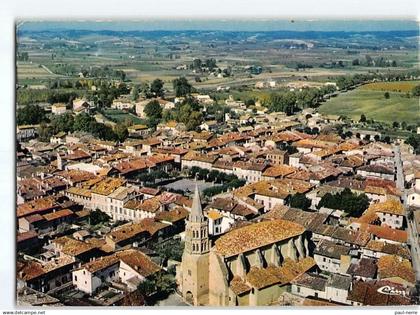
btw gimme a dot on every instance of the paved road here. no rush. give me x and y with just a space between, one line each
414 245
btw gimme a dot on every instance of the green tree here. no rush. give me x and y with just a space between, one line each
135 93
282 102
386 95
414 141
45 132
195 120
97 217
121 131
362 118
147 287
157 88
82 122
153 110
30 114
182 87
64 122
387 139
416 90
300 201
167 115
352 203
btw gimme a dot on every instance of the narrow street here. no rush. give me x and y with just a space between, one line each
412 240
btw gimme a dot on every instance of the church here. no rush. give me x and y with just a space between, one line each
248 266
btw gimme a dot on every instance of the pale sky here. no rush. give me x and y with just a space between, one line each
211 8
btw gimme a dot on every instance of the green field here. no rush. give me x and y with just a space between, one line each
374 106
117 115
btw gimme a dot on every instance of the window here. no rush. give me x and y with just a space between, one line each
298 289
189 272
75 278
84 272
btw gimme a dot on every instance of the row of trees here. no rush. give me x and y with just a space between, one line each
352 203
346 82
28 96
197 64
149 179
293 101
227 181
83 122
378 62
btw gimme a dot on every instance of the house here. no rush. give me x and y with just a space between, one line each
26 132
193 158
136 233
138 131
337 288
278 157
130 267
250 171
396 270
272 193
222 213
363 269
122 103
27 241
80 105
44 276
58 108
59 138
376 171
209 125
378 293
332 257
78 250
309 285
377 249
390 213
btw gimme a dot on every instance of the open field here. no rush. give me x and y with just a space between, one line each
120 116
404 86
374 106
26 70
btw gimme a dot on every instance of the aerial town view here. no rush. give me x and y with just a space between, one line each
217 163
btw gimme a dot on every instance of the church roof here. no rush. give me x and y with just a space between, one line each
256 235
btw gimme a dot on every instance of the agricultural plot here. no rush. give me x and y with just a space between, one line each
117 115
404 86
374 105
31 70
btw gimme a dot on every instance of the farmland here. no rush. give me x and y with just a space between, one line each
374 105
117 115
404 86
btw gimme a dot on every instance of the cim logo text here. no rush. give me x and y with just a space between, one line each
388 290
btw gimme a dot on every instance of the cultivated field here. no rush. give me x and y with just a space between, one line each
374 106
405 86
121 116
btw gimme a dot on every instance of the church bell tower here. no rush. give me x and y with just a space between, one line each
194 273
